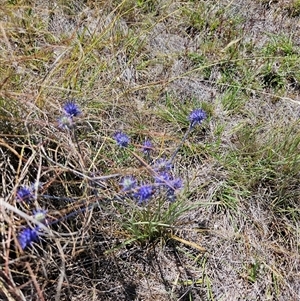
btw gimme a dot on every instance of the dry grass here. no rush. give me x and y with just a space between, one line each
141 67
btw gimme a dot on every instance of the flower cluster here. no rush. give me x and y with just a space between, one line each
160 180
141 193
161 165
40 215
71 109
162 168
128 183
163 181
26 193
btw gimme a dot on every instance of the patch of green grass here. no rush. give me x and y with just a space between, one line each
135 10
293 8
264 159
229 195
279 45
152 221
176 111
233 100
253 271
281 63
196 16
200 61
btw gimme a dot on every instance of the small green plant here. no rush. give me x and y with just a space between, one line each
155 220
233 100
253 271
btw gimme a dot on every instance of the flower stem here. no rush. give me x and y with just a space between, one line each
181 143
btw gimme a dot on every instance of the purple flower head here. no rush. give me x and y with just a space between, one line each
128 183
163 178
24 194
147 147
27 236
173 186
166 179
176 184
39 215
121 139
71 109
65 122
161 165
197 116
143 193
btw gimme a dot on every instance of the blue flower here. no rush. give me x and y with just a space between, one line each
147 147
162 178
27 236
161 165
197 116
71 109
168 183
143 193
172 187
175 184
166 179
24 194
128 183
121 139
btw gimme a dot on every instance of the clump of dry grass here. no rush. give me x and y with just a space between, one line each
141 67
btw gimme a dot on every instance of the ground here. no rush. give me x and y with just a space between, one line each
231 232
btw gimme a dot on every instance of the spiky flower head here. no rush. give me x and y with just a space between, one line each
143 193
71 109
27 236
176 184
165 179
40 215
197 116
173 186
162 178
122 139
128 183
162 165
147 147
168 183
66 122
24 194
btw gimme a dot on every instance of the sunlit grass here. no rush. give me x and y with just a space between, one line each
141 67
